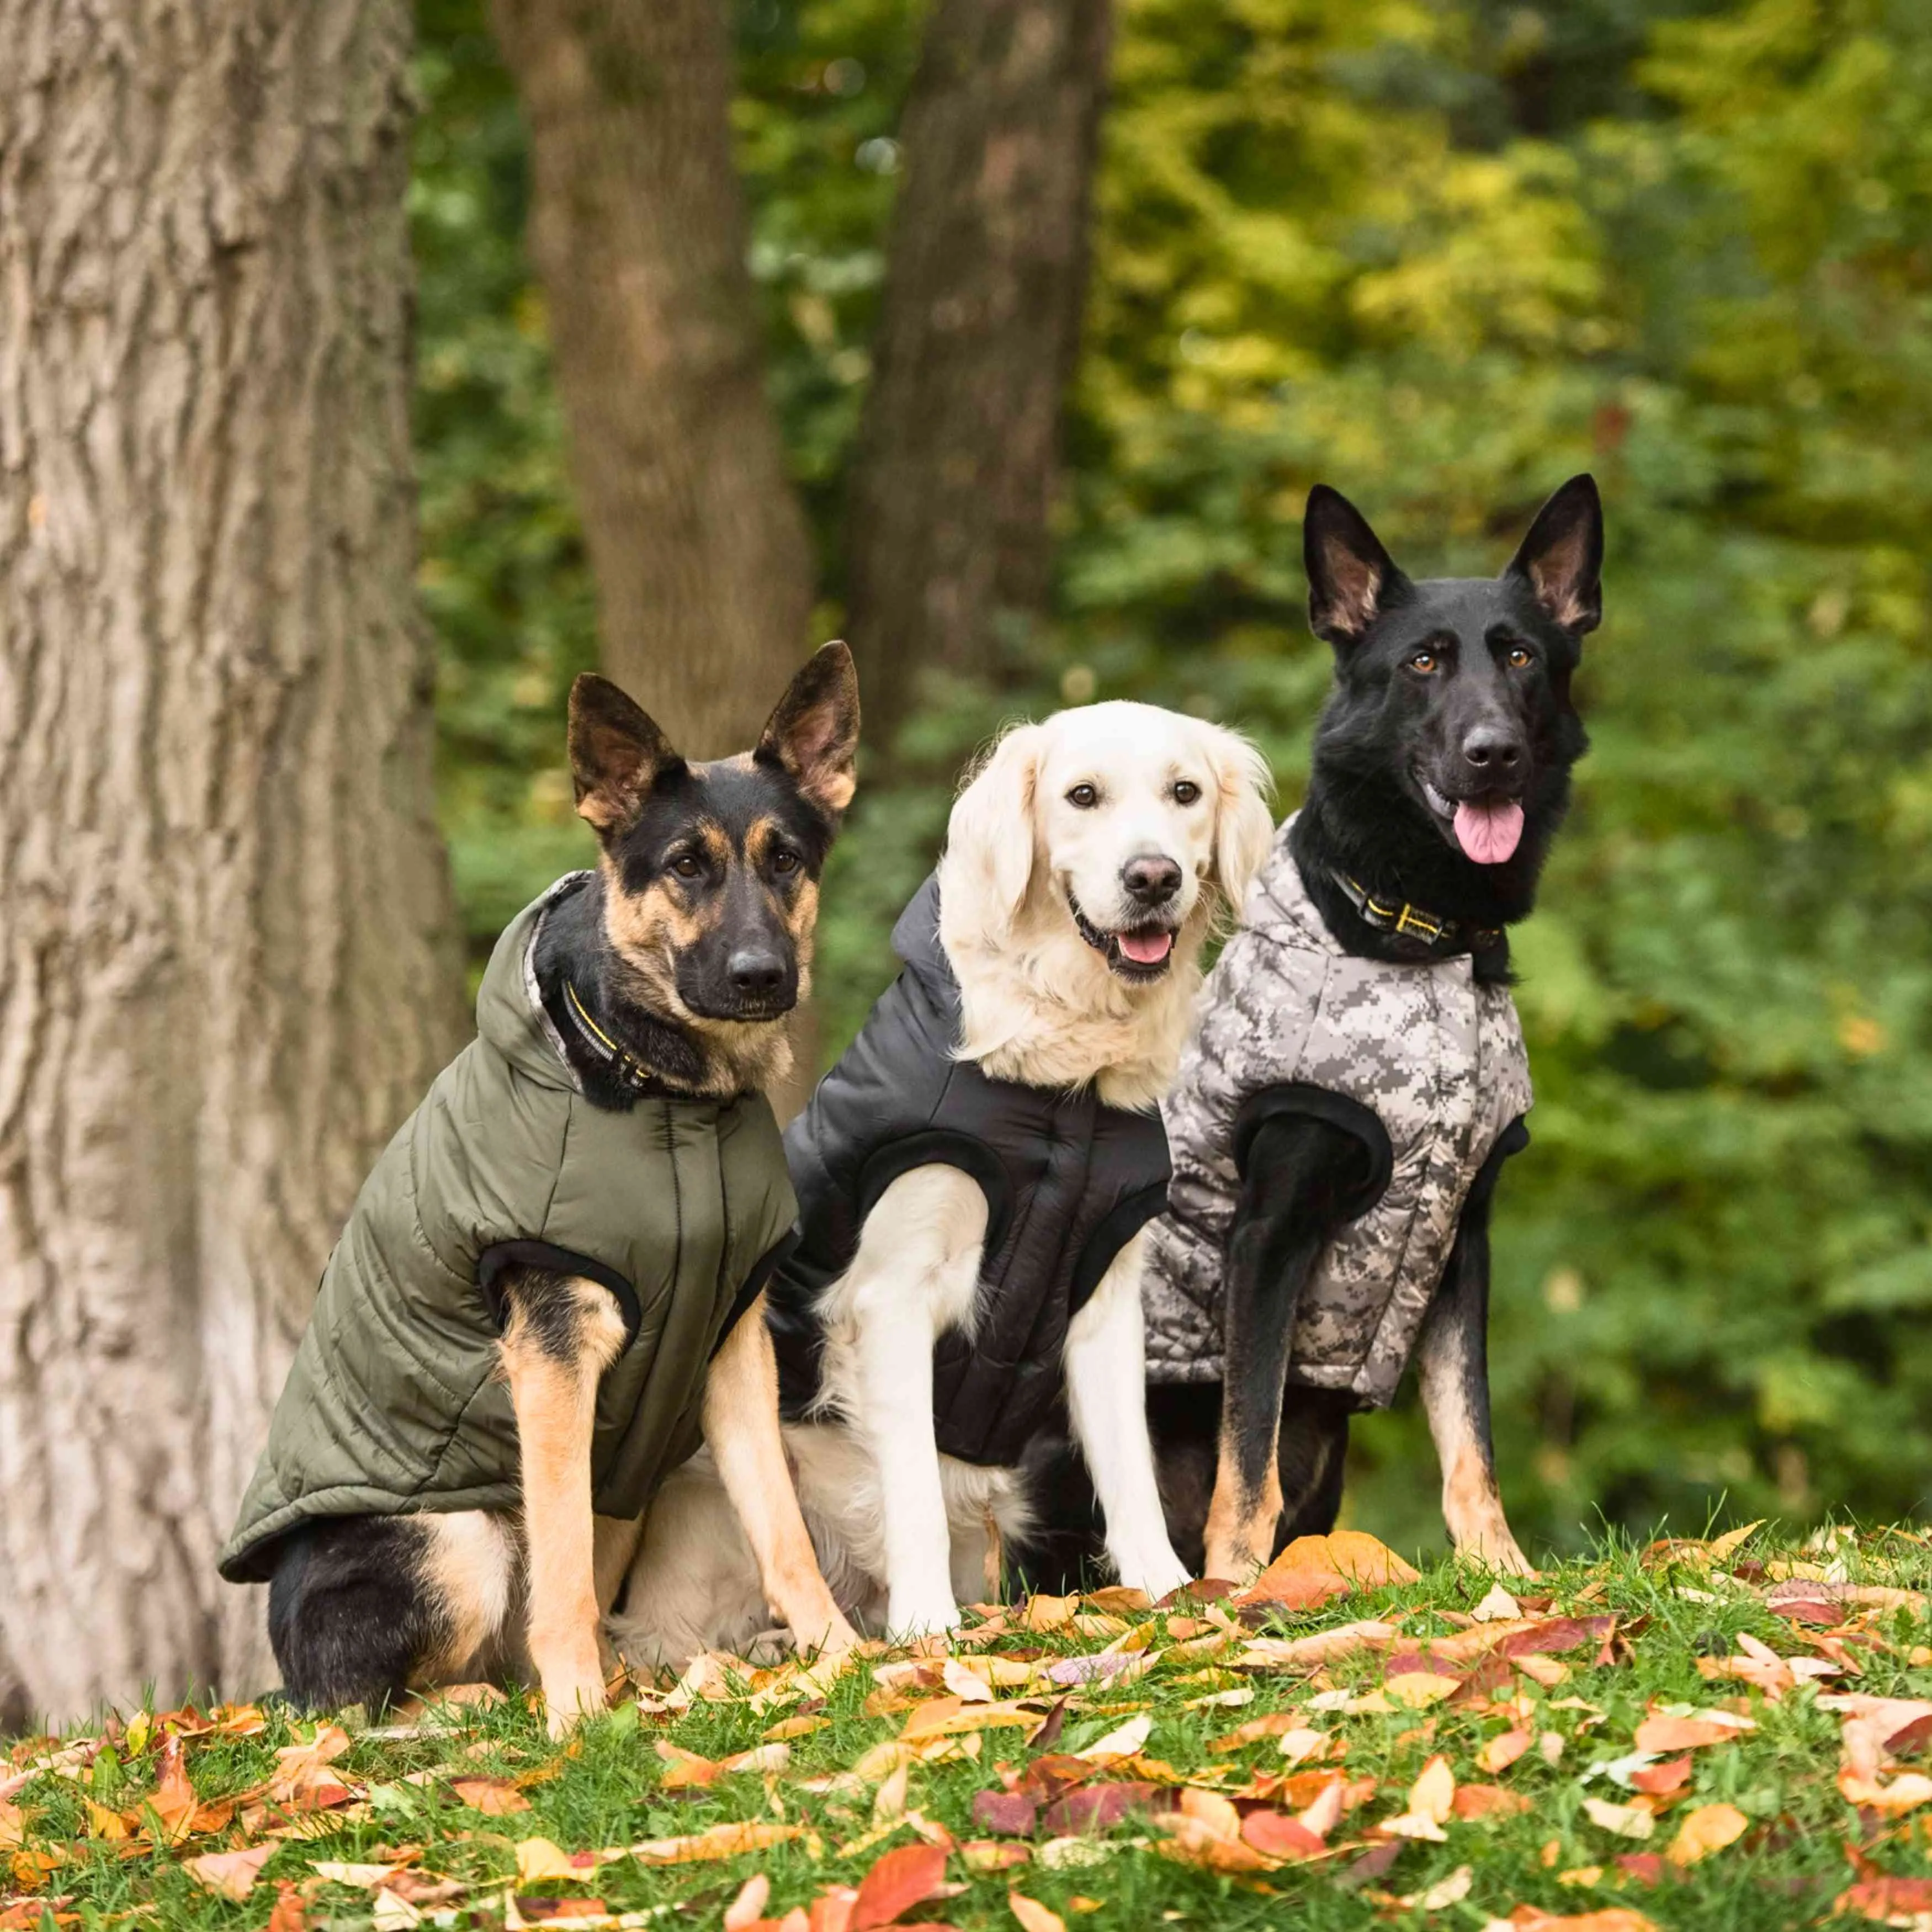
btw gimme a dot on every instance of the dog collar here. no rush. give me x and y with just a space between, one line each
1411 922
623 1063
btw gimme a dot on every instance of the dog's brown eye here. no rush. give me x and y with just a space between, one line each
1083 797
686 865
1186 791
1424 661
1520 659
784 860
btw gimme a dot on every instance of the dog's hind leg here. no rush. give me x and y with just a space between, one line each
741 1429
1453 1365
1299 1174
562 1333
1106 1383
361 1607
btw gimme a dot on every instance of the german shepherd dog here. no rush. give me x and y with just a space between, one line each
678 964
1441 774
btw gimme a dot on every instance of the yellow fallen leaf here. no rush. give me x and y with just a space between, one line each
720 1841
367 1876
1416 1690
538 1859
1433 1793
1709 1829
1448 1891
1626 1821
794 1727
1300 1745
943 1717
1046 1613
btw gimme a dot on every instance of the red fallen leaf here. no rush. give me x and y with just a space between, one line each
1276 1835
1492 1675
1372 1864
900 1880
1912 1739
1008 1814
1555 1635
1886 1899
1660 1780
1091 1808
1486 1800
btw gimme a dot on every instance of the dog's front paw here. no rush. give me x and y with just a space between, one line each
570 1696
908 1618
1496 1551
1158 1575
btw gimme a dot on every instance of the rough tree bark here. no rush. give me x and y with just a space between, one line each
958 453
638 232
227 957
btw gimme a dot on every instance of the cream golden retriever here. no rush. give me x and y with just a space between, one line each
1086 860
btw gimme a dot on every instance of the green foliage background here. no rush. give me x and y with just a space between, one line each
1440 255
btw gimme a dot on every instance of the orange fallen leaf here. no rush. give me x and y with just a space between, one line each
1664 1734
1499 1753
290 1914
1488 1801
900 1880
1033 1916
1659 1780
230 1874
1709 1829
1314 1569
494 1797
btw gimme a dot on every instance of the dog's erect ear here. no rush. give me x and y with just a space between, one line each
989 838
616 754
1561 558
814 731
1243 825
1351 579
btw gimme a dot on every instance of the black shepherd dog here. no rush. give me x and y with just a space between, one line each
1442 772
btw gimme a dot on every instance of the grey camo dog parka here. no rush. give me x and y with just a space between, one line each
1437 1060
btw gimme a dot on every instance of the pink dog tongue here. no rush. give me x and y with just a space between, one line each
1146 949
1488 833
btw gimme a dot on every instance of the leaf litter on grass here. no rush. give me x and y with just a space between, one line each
1707 1722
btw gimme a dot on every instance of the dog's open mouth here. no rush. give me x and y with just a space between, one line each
1139 953
1488 830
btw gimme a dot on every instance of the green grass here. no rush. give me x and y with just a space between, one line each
605 1788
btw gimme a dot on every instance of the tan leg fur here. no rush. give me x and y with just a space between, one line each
555 1397
1241 1523
741 1427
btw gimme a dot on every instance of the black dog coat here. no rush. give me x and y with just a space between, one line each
1068 1181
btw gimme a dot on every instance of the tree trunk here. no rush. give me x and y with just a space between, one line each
229 966
638 232
958 456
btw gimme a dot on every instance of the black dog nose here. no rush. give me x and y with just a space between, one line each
1153 881
753 970
1493 749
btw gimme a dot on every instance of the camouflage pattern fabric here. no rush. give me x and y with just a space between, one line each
1439 1060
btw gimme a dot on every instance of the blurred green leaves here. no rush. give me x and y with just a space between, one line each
1441 256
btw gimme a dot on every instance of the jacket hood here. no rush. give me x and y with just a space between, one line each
509 1015
915 939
